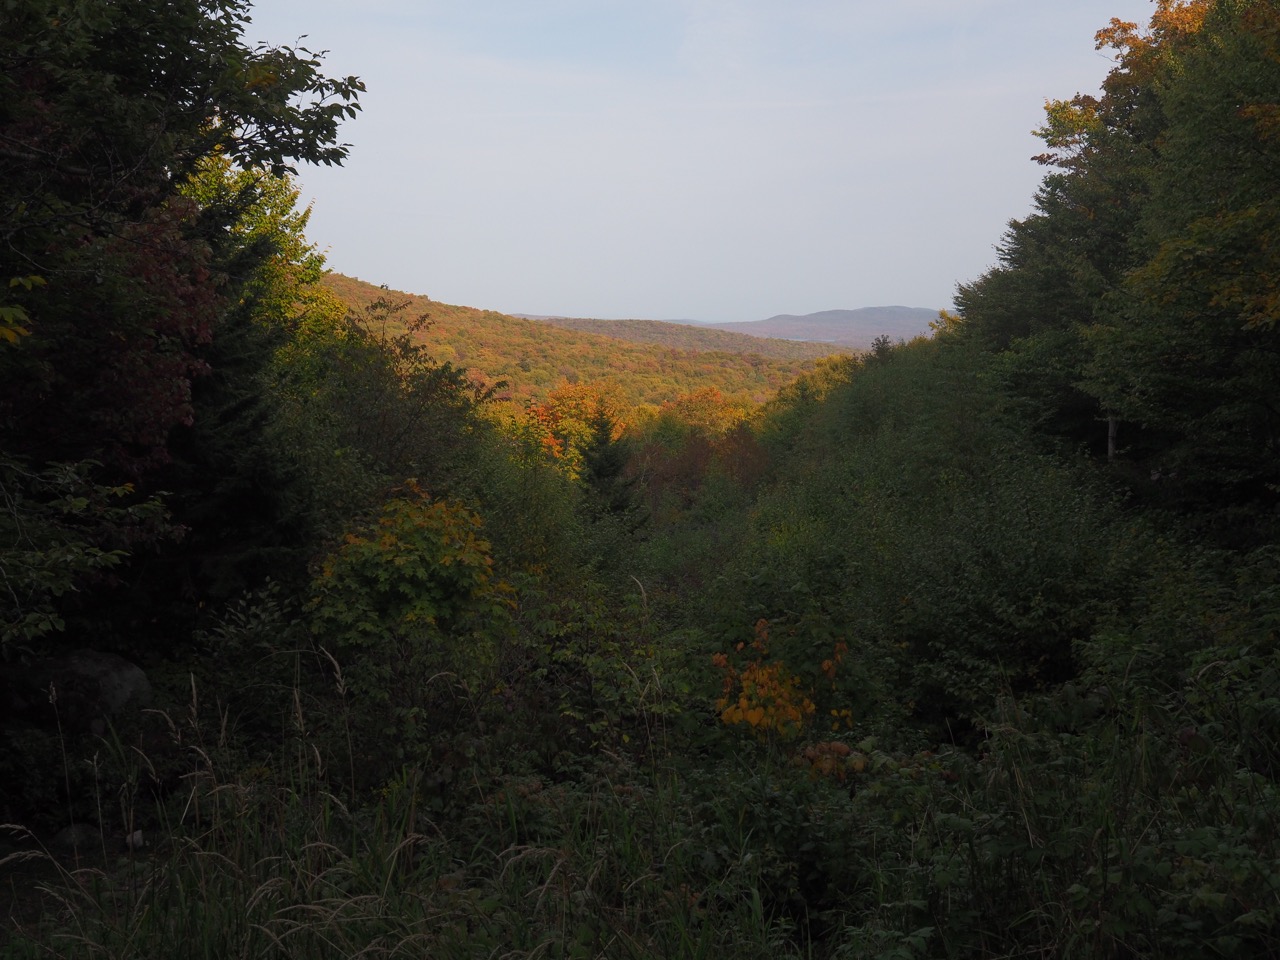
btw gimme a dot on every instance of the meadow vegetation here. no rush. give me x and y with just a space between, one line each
909 661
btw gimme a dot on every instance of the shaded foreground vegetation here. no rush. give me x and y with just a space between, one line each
903 663
982 709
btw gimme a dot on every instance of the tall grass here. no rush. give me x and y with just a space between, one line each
257 860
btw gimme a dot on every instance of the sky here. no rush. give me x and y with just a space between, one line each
713 160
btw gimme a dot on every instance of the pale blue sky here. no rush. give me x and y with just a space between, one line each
686 159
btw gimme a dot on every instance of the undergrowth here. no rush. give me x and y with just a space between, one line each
982 710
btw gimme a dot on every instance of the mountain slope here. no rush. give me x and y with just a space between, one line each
695 337
534 358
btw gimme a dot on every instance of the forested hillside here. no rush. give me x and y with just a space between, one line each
785 337
686 336
532 358
314 646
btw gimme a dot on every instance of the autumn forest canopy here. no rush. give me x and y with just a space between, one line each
338 622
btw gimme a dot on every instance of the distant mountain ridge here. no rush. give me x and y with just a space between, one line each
838 329
851 328
658 365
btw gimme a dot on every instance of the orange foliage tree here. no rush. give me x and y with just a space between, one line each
410 612
574 420
775 700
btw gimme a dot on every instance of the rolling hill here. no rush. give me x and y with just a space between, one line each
696 337
536 357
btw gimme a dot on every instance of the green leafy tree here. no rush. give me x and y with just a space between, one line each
108 110
1058 265
1188 353
45 557
411 612
244 501
124 286
369 390
1135 309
